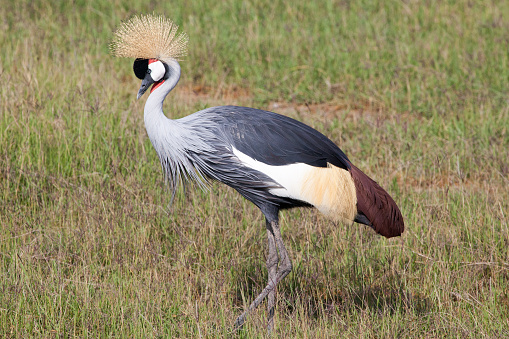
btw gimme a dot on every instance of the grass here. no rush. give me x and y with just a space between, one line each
415 93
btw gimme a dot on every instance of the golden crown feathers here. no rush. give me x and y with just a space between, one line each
149 37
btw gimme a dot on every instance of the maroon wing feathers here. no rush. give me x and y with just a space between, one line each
377 205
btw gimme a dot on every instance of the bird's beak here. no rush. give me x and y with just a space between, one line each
145 84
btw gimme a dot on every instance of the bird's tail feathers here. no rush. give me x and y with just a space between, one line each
376 205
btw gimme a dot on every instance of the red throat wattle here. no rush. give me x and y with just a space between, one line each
157 83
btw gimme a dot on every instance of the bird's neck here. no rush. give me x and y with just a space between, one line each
154 115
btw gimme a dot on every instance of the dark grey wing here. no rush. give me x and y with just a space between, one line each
275 139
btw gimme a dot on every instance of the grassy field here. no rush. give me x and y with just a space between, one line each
415 92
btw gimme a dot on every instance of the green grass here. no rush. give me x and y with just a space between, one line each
415 93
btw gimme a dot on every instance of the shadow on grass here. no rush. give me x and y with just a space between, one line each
320 300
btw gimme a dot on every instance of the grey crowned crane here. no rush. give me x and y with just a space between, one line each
271 160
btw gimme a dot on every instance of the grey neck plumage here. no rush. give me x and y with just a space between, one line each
154 105
172 139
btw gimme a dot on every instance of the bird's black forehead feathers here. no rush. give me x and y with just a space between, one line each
140 67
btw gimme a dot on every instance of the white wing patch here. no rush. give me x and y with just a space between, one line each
330 189
288 176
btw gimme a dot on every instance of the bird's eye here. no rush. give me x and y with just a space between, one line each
149 71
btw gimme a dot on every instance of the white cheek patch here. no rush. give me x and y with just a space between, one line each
157 70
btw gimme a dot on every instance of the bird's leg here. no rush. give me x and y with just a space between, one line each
282 271
285 264
272 261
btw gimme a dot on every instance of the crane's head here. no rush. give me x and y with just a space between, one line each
150 71
153 41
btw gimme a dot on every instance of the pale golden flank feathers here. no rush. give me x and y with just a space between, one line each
149 37
332 191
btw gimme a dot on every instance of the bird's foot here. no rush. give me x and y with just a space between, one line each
239 323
